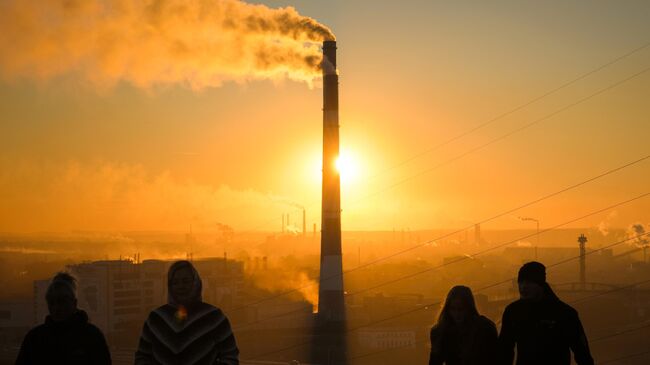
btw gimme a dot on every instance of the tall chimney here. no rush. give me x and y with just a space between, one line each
330 293
304 222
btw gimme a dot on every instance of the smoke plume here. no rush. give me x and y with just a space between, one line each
102 196
157 42
604 226
282 277
639 235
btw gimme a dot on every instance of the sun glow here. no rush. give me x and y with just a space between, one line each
348 167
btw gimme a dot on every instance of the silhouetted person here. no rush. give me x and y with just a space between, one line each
544 329
462 336
66 337
186 330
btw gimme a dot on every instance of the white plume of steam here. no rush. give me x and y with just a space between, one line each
604 225
639 236
158 42
282 278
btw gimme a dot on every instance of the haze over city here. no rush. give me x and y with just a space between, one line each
466 139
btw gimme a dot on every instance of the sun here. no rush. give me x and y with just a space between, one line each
348 167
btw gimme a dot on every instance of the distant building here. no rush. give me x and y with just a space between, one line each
551 254
16 318
387 338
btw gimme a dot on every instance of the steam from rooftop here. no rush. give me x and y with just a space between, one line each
149 43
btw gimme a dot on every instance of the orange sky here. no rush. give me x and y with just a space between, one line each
84 152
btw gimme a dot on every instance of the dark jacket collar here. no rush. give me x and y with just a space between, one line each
79 317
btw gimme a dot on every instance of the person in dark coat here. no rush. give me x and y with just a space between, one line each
462 336
543 328
66 337
186 330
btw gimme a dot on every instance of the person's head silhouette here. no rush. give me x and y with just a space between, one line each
459 307
184 284
61 297
532 281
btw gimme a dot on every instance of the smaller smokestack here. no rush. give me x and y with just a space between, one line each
314 230
304 222
283 224
583 275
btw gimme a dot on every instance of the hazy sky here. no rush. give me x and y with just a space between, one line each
76 154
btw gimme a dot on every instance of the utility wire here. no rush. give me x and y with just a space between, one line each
512 111
566 107
509 211
580 300
638 354
502 137
504 114
438 303
409 276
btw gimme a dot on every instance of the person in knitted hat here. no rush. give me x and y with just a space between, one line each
544 329
66 337
186 330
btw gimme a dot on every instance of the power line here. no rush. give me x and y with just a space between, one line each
638 354
620 333
598 339
504 114
509 211
463 258
504 136
611 291
580 300
409 276
513 110
566 107
438 303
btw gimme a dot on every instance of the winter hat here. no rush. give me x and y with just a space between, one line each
534 272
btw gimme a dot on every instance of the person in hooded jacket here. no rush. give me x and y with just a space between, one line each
66 337
462 336
186 330
543 328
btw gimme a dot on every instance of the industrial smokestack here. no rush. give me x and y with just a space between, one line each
330 295
582 240
304 222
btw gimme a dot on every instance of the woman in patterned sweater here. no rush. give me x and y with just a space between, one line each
186 330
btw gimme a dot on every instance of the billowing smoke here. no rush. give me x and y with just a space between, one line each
638 234
604 226
282 276
157 42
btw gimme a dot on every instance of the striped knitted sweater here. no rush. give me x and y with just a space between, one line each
201 336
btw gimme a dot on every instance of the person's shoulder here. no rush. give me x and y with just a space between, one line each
485 322
514 306
566 309
163 308
164 311
435 330
205 308
36 332
93 330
